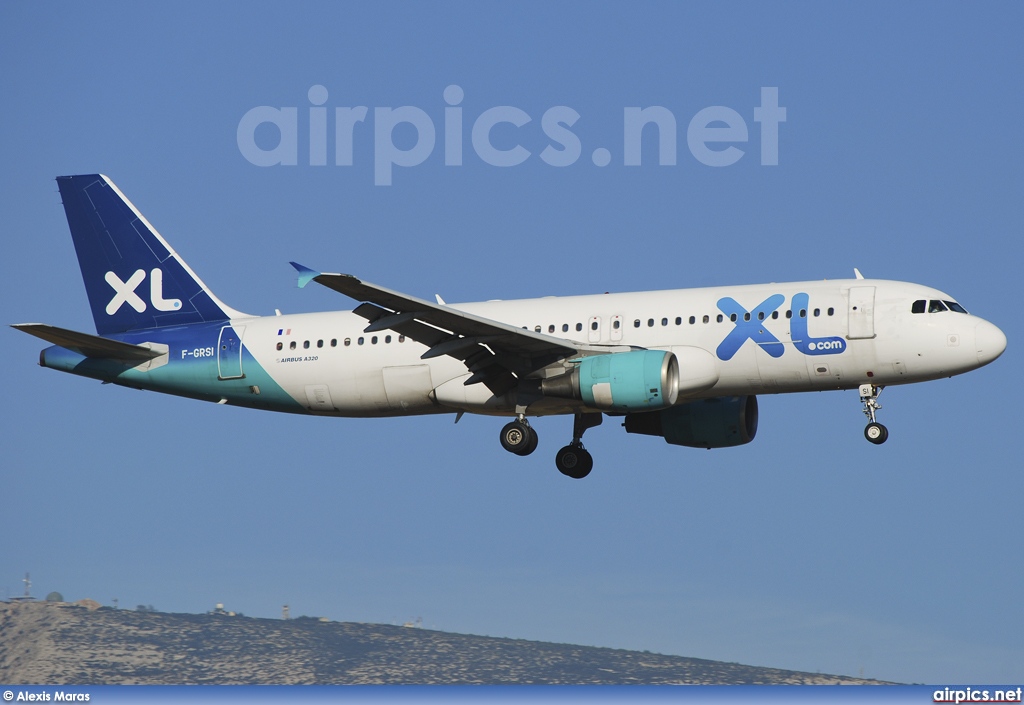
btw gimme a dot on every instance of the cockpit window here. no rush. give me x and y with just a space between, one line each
936 306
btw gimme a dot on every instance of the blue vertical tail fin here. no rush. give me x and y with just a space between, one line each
133 278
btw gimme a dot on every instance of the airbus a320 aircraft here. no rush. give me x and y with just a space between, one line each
685 365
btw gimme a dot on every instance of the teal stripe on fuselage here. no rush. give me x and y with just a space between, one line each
191 369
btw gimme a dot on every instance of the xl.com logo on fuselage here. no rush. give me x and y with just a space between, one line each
750 326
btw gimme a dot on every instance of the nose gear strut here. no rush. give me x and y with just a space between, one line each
874 431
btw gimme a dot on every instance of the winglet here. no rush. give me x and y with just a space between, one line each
857 273
306 275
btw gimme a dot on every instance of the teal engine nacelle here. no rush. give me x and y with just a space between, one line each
721 422
641 380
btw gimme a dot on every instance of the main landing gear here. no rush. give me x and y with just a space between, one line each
572 460
519 437
874 431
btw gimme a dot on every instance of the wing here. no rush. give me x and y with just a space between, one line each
496 353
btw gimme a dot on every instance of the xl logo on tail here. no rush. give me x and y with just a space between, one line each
125 292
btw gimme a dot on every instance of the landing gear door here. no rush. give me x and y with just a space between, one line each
229 353
862 312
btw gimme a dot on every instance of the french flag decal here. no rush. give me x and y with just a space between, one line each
282 331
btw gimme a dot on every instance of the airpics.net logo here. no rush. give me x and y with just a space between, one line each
716 136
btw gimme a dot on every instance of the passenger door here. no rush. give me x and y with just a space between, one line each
861 312
229 353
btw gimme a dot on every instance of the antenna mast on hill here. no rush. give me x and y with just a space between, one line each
27 597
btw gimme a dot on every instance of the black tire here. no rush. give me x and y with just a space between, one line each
574 461
517 437
532 444
876 433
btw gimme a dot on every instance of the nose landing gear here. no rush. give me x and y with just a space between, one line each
874 431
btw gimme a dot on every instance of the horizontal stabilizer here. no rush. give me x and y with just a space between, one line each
88 345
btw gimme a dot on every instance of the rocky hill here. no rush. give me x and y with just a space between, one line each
58 644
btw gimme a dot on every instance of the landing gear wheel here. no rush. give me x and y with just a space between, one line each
517 437
532 443
574 461
876 433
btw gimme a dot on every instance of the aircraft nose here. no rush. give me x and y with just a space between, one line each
990 342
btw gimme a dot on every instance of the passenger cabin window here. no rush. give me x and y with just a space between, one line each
579 327
706 319
291 345
693 319
348 341
593 326
565 327
616 323
636 323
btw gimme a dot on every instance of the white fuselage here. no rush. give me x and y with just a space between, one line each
866 333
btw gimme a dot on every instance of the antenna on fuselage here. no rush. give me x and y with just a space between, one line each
857 273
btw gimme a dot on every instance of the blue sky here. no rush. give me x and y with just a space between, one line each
808 549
